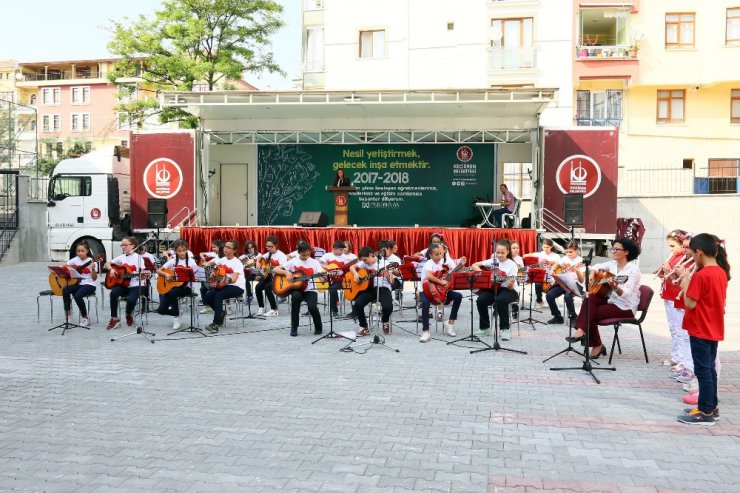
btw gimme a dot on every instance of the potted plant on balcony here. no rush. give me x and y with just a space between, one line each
634 49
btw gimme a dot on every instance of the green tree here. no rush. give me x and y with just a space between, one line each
193 41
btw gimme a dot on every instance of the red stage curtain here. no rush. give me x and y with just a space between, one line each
473 243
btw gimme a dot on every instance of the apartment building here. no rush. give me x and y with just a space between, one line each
435 44
666 74
75 101
18 120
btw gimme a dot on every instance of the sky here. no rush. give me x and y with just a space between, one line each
79 29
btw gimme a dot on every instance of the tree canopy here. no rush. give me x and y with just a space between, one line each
195 41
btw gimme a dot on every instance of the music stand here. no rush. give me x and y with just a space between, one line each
534 276
331 334
141 274
568 291
187 274
63 272
470 280
586 366
409 273
496 346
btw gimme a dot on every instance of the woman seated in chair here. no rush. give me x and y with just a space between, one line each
620 300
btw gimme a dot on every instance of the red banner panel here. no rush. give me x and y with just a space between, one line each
162 167
585 162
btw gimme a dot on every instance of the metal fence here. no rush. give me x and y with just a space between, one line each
664 180
38 188
8 209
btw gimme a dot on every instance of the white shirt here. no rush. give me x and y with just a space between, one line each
436 267
378 280
186 262
519 261
566 262
277 258
329 257
508 267
132 260
84 276
308 266
630 290
234 266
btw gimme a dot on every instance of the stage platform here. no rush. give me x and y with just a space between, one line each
473 243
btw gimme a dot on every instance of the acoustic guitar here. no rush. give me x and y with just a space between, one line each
164 286
437 293
219 277
352 288
560 270
57 284
600 285
121 275
336 270
282 287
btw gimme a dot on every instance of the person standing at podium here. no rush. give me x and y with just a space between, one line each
340 179
508 205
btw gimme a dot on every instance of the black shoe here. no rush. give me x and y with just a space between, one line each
213 328
601 353
317 332
572 339
293 332
555 321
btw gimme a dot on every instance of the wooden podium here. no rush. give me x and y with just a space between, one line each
341 204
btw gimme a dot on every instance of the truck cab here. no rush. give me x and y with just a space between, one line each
89 200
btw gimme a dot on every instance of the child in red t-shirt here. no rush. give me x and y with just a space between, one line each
704 296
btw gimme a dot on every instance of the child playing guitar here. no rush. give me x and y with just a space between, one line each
331 261
85 286
568 265
182 259
230 286
370 262
438 264
502 265
130 264
304 265
270 259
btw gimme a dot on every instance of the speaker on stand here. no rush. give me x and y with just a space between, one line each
573 211
156 217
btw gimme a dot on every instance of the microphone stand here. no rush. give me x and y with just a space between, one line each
376 307
587 365
472 337
496 346
140 327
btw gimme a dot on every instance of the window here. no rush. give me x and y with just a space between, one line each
517 179
51 96
735 106
450 26
604 27
688 163
32 100
81 95
671 106
49 148
679 30
60 149
314 52
51 123
80 122
732 32
32 125
372 44
511 43
314 4
71 186
723 175
599 108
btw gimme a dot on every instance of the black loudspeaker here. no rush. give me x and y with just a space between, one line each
314 219
573 209
156 213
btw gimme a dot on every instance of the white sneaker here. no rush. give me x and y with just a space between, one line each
692 385
425 336
206 309
261 312
506 335
450 329
176 323
272 313
85 322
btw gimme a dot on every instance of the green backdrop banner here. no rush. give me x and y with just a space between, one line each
397 184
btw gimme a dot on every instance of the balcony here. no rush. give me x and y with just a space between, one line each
51 75
503 58
599 122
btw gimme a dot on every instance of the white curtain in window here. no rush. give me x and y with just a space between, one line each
314 55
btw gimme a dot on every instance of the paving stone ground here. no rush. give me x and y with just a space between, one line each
256 410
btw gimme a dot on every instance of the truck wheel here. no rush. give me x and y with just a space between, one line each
96 248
